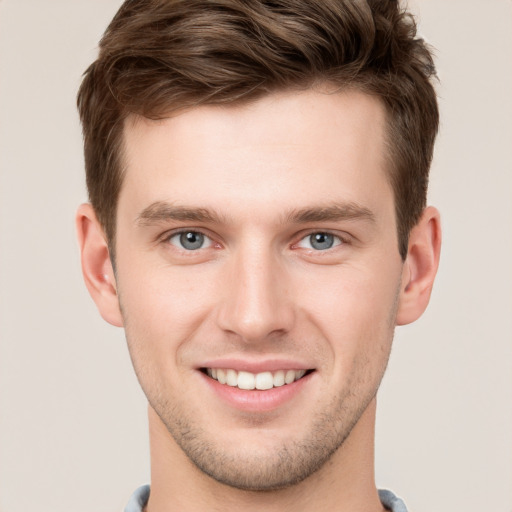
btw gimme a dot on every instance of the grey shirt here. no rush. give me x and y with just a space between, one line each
140 498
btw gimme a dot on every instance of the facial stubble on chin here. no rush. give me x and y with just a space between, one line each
260 468
266 469
292 462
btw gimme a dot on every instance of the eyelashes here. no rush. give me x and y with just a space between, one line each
190 240
193 240
320 241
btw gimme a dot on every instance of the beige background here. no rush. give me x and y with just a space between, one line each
72 419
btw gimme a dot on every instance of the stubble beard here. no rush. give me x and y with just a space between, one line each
267 469
294 460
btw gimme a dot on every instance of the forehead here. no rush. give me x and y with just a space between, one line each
285 148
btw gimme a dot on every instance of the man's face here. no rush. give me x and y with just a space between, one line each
258 244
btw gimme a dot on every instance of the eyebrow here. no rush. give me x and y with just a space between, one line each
333 212
161 211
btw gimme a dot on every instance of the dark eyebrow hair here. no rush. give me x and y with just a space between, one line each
333 212
161 211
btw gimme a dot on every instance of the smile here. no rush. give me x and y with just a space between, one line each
248 381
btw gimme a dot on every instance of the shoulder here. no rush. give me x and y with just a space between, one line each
138 499
391 501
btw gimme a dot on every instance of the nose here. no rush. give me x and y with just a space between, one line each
256 301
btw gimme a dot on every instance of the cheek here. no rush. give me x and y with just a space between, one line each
350 296
355 310
163 294
162 307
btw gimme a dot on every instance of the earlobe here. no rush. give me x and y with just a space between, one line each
420 267
96 265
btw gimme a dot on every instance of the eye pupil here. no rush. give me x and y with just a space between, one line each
321 241
191 240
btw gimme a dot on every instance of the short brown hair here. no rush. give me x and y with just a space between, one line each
158 56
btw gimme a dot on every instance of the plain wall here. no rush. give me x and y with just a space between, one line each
73 427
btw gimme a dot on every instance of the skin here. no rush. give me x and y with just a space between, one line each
257 181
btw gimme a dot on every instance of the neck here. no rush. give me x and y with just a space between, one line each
345 483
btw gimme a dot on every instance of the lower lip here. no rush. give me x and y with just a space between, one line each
257 400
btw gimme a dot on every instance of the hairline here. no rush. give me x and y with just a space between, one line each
389 158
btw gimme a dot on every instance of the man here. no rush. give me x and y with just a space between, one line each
258 225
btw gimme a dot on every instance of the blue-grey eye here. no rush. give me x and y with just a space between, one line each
320 241
190 240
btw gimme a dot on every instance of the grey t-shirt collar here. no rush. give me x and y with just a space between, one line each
140 497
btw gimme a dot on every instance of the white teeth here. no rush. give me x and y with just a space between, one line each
231 378
289 377
279 378
249 381
246 380
221 376
264 381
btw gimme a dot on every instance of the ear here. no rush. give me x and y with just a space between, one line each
96 265
420 267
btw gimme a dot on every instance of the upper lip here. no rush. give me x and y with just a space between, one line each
255 366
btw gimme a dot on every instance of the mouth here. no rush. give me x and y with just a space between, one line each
250 381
